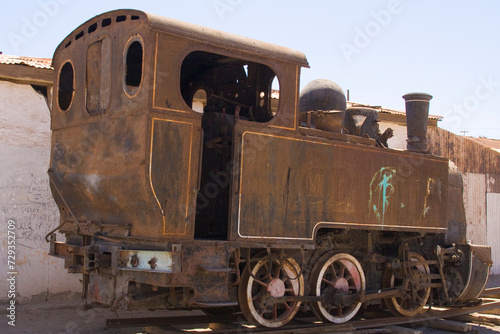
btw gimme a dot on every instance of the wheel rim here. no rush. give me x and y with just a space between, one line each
332 273
257 291
414 298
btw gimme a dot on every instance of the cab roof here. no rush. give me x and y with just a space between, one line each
191 31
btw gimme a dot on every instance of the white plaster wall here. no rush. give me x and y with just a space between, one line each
398 142
25 196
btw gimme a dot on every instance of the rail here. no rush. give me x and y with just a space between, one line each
305 324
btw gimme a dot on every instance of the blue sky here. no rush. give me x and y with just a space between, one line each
378 49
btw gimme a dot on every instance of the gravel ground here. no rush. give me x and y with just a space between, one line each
66 316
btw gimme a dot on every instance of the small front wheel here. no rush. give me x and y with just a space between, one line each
416 282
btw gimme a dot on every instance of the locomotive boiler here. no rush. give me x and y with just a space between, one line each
190 173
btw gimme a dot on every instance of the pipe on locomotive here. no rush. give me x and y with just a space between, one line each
417 116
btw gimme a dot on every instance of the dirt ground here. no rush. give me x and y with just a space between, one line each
66 316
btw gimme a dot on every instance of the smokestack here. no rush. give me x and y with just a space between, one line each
417 115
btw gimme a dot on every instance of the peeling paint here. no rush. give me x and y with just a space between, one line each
381 188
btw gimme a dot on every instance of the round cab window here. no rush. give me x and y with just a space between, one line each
133 67
66 86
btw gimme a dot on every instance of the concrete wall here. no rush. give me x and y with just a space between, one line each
25 196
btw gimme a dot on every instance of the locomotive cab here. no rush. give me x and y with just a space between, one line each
126 133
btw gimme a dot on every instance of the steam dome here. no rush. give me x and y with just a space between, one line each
322 94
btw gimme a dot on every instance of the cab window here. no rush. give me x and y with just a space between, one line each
230 85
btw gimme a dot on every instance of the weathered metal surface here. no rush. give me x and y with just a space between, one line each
154 261
457 225
322 94
417 115
308 184
163 206
361 122
469 156
322 105
479 269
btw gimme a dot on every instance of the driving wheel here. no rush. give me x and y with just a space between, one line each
339 273
260 290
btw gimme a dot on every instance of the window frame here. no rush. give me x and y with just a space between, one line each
236 57
66 61
130 41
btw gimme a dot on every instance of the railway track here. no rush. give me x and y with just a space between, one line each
377 322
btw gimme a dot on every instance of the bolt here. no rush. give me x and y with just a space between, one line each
152 262
134 261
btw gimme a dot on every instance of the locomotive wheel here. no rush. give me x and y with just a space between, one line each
257 291
454 283
415 297
340 272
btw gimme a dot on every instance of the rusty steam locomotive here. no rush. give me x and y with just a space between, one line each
183 182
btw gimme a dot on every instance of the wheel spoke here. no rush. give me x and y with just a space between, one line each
324 280
342 270
258 294
264 284
333 271
277 271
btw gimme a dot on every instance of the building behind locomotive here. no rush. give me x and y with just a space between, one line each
163 206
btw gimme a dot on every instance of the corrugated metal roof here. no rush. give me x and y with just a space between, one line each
388 111
26 61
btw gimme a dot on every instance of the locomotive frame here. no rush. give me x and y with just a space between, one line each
244 203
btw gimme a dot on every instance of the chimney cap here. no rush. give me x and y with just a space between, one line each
417 96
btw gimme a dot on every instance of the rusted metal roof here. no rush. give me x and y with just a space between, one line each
26 61
491 143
